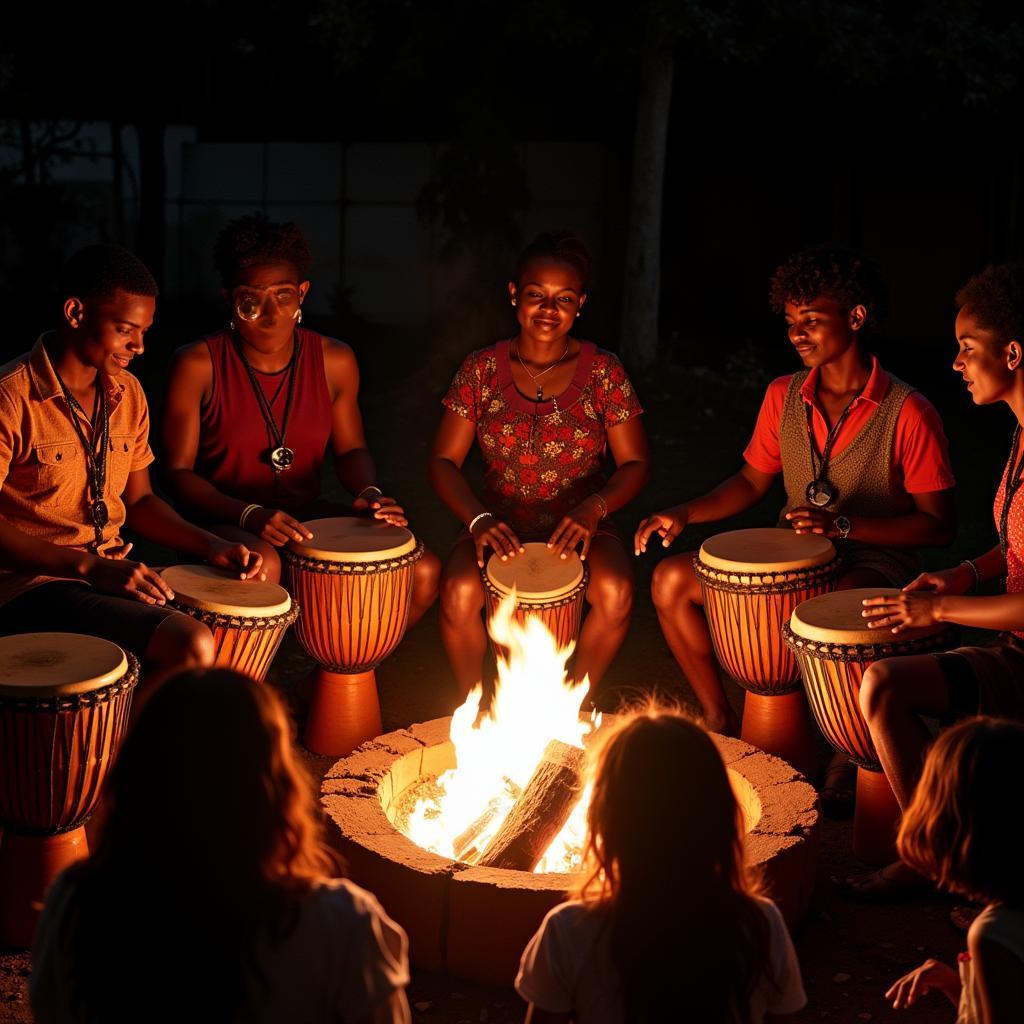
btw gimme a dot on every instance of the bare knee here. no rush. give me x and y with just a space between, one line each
879 690
673 582
612 596
180 642
426 576
462 595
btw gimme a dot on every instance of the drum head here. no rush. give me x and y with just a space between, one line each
222 592
766 551
354 539
836 619
537 575
58 664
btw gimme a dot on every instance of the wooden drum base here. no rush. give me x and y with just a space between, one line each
343 712
876 818
781 725
28 864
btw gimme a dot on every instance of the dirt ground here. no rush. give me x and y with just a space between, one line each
698 422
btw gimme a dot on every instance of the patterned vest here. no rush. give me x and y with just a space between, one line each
862 476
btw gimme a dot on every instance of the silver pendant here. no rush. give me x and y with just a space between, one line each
281 458
819 493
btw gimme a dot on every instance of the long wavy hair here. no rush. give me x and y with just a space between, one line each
664 860
211 841
955 829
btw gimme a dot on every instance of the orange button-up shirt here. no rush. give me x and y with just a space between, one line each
44 481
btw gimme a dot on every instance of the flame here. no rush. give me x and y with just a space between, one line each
496 752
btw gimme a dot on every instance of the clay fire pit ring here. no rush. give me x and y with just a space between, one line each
473 922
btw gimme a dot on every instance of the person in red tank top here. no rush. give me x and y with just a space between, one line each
252 410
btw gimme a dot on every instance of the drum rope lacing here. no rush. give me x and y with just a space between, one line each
72 702
244 622
848 653
354 568
530 604
734 582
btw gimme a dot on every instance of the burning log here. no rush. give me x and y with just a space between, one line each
466 846
540 812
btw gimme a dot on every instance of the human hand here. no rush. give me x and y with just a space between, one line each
957 580
920 981
491 532
906 610
577 528
121 578
276 527
384 508
813 520
119 550
669 524
226 555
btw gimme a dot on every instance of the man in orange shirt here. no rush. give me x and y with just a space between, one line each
863 456
74 457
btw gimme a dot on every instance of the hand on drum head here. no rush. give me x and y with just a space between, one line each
905 610
921 980
669 524
813 520
276 527
121 578
577 529
384 508
235 556
492 533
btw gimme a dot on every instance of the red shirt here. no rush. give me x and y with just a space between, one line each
1014 539
920 452
542 458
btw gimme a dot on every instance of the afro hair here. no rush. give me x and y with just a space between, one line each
255 241
559 247
996 299
97 271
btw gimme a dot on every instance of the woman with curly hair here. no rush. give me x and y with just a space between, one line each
545 407
954 833
863 458
253 409
668 923
211 897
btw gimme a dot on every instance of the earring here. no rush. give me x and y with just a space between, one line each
297 317
231 325
513 302
577 312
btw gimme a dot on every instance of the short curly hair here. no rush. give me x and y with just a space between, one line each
97 271
996 298
256 240
832 271
561 247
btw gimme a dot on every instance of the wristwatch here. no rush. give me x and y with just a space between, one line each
843 527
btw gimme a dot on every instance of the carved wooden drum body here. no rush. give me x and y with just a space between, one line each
248 618
547 587
833 644
751 581
353 581
64 703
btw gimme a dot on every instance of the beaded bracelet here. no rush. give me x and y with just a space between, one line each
604 504
246 512
975 570
476 519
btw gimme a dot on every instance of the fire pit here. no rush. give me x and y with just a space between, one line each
473 921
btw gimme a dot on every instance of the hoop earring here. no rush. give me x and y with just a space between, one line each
298 315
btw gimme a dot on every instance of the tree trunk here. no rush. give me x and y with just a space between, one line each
639 334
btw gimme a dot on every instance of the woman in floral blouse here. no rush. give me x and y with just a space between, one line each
545 408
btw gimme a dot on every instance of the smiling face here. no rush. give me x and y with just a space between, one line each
107 333
265 303
821 330
547 299
987 362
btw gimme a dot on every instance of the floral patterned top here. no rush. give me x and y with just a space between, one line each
541 458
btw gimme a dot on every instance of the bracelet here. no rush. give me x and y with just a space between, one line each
246 512
476 519
604 504
975 570
370 487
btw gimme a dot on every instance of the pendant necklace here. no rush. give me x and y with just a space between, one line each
540 387
820 492
95 450
280 456
1014 470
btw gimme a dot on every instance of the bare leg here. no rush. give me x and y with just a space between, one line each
425 579
271 559
679 602
178 643
462 628
610 596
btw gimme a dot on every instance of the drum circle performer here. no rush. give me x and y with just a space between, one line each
74 470
544 407
252 410
988 679
863 457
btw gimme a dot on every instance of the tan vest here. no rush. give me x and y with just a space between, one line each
863 477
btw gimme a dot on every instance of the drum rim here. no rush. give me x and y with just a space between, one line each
15 691
183 601
328 567
313 553
775 582
485 573
849 651
260 623
735 568
863 636
525 601
52 702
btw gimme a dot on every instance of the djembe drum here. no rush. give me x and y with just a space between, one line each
248 618
833 644
64 701
751 581
353 581
546 586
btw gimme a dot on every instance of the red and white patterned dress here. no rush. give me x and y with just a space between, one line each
541 458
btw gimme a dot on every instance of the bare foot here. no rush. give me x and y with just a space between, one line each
891 882
838 786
